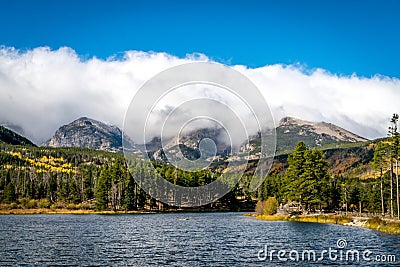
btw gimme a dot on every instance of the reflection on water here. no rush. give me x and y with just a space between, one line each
192 239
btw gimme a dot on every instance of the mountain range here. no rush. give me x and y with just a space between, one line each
89 133
344 150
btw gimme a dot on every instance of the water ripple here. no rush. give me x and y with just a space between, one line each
204 239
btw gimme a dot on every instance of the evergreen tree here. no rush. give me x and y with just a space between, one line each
321 178
9 193
130 193
379 163
333 194
88 184
293 180
102 188
393 148
395 142
307 177
115 175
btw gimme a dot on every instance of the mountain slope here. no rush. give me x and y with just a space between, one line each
321 131
348 160
88 133
189 143
290 131
11 137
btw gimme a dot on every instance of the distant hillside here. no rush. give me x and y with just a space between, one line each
12 138
314 134
290 131
88 133
188 144
347 160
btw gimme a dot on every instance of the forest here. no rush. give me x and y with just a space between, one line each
309 184
76 178
79 178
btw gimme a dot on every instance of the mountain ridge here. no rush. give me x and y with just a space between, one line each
324 128
90 133
11 137
291 130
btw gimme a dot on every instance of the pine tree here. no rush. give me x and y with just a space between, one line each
87 185
395 149
115 174
307 187
102 188
379 164
307 176
130 196
394 146
293 180
9 193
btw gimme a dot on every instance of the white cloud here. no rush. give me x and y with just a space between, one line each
41 89
361 105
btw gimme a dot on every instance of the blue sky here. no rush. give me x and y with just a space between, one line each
281 46
343 37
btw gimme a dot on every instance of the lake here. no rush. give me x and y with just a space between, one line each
187 239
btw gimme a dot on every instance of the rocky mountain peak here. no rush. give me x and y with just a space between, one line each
314 134
286 121
89 133
189 143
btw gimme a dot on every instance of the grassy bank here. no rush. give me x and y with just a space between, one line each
7 209
62 211
375 223
386 226
332 219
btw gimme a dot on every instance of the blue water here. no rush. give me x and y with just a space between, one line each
202 239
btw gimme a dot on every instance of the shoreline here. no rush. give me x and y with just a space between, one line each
66 211
374 223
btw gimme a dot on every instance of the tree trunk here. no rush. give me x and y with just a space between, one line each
391 189
397 190
114 193
345 197
382 200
